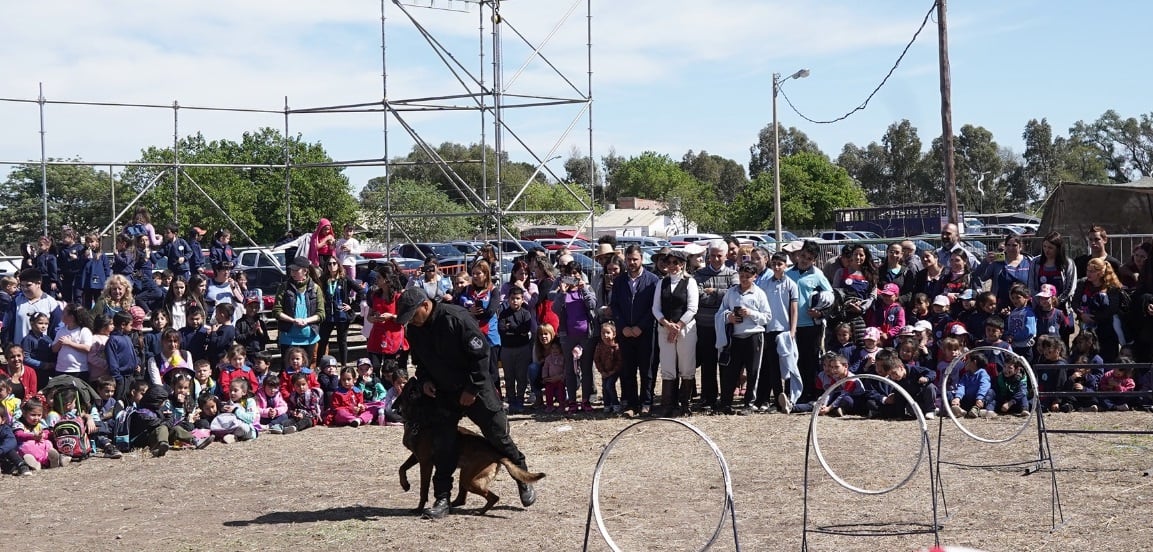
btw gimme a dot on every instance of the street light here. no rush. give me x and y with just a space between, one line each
777 81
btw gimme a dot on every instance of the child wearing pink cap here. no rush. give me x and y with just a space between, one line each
887 315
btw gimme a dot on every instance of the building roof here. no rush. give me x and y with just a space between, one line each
624 218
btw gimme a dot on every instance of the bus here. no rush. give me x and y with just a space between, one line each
894 221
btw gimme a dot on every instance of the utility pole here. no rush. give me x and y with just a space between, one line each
947 116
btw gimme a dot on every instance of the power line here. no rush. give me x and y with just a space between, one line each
865 103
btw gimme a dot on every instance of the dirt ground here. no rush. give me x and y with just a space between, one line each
661 489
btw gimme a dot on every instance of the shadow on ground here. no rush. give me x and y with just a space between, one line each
347 513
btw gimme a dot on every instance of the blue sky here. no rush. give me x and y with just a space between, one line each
669 75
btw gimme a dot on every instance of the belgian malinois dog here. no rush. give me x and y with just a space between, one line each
479 461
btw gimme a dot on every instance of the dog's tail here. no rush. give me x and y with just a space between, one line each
520 474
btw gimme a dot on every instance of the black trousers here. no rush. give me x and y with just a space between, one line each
486 413
322 346
637 360
707 360
745 355
809 340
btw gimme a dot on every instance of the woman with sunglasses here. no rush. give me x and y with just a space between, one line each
341 292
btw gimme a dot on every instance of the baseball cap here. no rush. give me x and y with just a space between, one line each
958 329
966 295
890 289
407 304
908 330
795 245
941 300
328 360
922 326
363 361
1047 290
872 333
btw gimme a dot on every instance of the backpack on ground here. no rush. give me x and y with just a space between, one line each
70 436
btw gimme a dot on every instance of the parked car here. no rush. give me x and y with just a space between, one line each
682 239
253 257
554 244
758 239
442 252
518 247
467 248
1004 230
643 241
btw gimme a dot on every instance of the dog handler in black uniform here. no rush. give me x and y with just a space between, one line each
451 357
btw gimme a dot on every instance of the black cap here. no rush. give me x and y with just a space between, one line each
407 304
300 262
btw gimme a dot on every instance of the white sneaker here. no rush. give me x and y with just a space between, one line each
228 439
930 416
785 404
986 414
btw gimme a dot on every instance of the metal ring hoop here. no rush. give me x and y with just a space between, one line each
716 453
817 444
1032 377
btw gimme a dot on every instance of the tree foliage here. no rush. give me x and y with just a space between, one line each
793 141
254 197
894 171
811 189
1123 146
421 212
79 196
475 169
725 176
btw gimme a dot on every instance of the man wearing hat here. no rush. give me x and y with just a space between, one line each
452 367
713 281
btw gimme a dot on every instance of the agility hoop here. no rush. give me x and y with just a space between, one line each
728 509
869 529
1044 453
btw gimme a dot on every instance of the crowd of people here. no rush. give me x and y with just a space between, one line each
182 357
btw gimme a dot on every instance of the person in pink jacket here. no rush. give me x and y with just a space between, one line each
272 406
35 438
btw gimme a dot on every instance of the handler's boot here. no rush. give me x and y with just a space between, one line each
439 510
668 398
527 494
688 385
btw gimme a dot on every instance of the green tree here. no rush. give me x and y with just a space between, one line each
649 175
811 189
892 172
255 197
419 210
1124 146
1051 160
612 164
474 167
581 170
556 198
79 196
725 176
793 141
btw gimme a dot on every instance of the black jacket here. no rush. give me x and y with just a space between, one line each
449 350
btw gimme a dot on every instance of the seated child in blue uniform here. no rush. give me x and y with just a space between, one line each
835 367
883 401
972 397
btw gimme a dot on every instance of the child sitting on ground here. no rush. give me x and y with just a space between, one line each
972 396
303 405
235 366
10 459
1050 350
329 377
1117 380
271 405
238 415
1012 390
35 439
347 405
834 367
397 378
885 402
296 362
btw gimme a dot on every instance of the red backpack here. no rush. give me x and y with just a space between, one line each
70 436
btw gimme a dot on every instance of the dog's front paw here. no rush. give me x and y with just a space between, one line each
404 484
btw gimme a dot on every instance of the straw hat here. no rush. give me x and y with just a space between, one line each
604 250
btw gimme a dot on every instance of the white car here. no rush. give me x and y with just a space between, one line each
690 238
